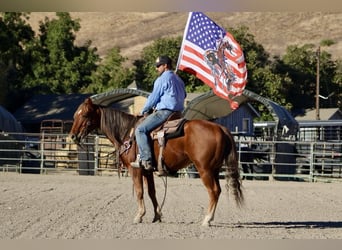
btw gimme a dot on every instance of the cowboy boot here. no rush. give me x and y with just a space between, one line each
136 164
141 163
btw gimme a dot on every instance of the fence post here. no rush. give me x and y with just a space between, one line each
42 144
272 158
97 154
311 175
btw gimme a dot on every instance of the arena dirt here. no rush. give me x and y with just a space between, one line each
69 206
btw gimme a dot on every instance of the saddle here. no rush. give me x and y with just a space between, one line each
171 128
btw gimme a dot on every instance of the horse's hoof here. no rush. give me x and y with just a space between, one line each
206 224
156 219
137 220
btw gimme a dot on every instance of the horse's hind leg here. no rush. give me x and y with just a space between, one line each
139 190
152 193
212 184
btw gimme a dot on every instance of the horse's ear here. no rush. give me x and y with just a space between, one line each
88 101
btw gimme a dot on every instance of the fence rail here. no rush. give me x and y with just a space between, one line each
258 159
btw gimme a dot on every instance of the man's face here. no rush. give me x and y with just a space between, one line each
161 68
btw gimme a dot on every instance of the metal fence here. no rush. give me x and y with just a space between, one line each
290 160
53 153
258 159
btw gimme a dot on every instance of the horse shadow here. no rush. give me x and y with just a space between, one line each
285 224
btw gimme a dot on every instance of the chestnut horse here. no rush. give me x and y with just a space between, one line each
205 144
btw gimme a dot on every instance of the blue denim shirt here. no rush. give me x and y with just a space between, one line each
168 93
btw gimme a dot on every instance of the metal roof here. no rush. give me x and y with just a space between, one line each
8 123
324 113
117 95
209 105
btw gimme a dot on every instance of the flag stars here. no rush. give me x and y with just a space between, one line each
204 32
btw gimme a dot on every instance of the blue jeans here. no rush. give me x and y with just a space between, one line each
143 130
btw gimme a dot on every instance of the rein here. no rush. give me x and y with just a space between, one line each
108 154
165 189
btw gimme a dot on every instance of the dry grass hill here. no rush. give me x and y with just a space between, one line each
132 31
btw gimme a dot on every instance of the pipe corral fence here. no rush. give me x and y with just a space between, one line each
259 159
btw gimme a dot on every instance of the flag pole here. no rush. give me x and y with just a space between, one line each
184 34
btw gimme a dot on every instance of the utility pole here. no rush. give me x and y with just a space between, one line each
317 82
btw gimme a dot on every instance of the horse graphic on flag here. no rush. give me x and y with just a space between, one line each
213 56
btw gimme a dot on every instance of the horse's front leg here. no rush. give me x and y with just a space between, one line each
152 193
139 190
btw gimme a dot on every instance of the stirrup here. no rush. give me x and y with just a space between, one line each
147 165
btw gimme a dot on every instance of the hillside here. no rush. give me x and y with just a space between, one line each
132 31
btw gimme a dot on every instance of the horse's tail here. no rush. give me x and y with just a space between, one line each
234 184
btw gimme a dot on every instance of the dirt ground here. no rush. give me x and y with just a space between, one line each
69 206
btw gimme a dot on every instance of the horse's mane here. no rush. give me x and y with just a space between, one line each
116 124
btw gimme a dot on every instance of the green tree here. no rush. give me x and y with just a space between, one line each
15 35
3 85
111 74
300 64
338 81
58 65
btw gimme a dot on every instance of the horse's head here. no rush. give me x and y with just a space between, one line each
86 119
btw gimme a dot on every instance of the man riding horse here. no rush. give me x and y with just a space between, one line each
167 97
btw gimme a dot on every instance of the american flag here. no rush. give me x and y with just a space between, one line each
212 55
